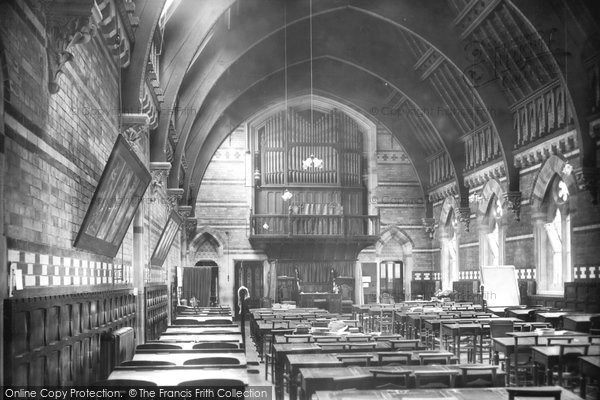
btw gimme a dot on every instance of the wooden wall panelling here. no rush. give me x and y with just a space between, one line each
157 314
55 340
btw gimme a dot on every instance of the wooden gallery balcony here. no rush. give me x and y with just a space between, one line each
317 231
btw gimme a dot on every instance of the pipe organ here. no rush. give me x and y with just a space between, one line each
286 143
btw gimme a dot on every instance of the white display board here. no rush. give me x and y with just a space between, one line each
500 285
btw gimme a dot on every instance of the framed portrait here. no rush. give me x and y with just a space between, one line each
165 241
119 192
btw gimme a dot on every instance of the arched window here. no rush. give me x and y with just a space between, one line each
449 251
553 231
492 234
557 246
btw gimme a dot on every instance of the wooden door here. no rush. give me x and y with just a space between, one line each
249 274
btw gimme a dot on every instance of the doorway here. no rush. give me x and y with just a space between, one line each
249 274
391 275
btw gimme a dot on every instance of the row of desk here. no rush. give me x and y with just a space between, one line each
179 357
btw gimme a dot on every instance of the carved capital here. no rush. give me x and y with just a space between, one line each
173 197
429 226
185 211
587 180
159 171
190 226
512 202
464 216
68 23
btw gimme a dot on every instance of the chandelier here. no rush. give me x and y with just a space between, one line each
312 162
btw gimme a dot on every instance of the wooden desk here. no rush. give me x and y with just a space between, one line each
521 313
180 357
547 358
334 300
526 340
201 330
207 337
189 345
588 366
207 318
552 317
173 376
458 394
297 361
315 379
578 322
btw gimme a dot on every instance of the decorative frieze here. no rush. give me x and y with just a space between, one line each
542 114
441 192
115 19
537 154
481 147
586 272
482 175
440 168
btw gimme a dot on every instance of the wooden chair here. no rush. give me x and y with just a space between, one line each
124 383
558 340
434 358
158 346
478 379
332 346
363 360
405 344
568 367
295 338
435 379
215 345
269 358
213 383
186 321
386 379
543 392
352 382
326 339
394 358
366 346
213 360
145 363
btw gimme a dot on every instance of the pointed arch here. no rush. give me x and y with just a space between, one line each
207 245
448 206
492 188
554 166
391 233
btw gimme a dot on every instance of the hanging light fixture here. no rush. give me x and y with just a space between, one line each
287 195
312 162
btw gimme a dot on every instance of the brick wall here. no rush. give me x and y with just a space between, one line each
56 146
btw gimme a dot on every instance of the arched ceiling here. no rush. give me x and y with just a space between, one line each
223 61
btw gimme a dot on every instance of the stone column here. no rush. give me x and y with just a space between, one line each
139 269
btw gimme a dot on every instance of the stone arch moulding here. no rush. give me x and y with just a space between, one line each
447 206
553 166
211 233
492 188
394 232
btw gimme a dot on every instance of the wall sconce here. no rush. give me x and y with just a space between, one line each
265 226
287 195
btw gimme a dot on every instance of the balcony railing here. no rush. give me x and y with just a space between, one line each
314 225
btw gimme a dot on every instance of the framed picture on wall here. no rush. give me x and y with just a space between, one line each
166 239
112 208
